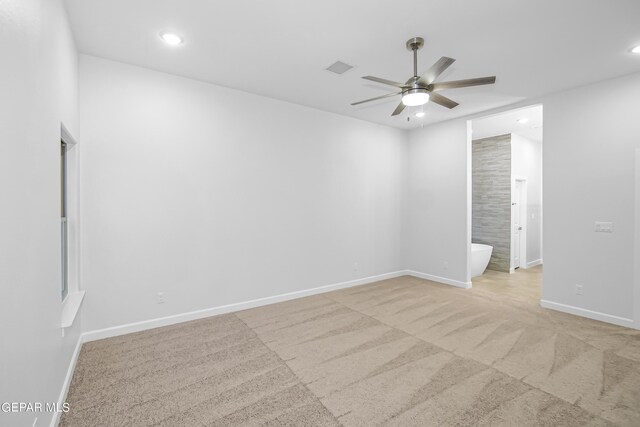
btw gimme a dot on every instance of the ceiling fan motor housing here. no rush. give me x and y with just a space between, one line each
415 43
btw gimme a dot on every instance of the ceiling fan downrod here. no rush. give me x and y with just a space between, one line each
415 44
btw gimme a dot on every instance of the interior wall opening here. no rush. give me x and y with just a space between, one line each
506 203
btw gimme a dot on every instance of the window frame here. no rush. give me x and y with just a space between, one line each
64 223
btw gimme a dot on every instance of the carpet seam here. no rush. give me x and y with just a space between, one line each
316 397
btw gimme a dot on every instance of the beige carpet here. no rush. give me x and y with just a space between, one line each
399 352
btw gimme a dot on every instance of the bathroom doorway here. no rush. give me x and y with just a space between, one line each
505 200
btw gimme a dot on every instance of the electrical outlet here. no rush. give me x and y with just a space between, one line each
160 297
603 227
356 267
578 289
445 265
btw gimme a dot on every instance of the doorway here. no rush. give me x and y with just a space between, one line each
505 200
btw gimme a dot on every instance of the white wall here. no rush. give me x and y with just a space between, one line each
526 161
38 79
215 196
437 230
590 135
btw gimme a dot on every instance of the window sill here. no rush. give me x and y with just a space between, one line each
70 308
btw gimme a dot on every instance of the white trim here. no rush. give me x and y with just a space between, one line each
469 197
534 263
229 308
444 280
608 318
66 136
523 214
73 211
636 249
70 308
55 419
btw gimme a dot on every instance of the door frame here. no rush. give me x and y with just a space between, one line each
522 221
636 267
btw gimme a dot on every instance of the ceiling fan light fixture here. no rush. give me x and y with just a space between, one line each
415 97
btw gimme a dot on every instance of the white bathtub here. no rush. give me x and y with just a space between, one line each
480 256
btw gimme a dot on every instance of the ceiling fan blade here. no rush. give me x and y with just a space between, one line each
388 95
436 69
385 81
464 83
442 100
398 109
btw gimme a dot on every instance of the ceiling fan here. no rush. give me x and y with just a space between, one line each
418 90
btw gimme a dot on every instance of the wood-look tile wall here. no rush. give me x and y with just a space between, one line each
491 195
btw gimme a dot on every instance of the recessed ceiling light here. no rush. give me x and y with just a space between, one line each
523 120
171 38
420 114
636 49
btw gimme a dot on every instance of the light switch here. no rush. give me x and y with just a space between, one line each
603 227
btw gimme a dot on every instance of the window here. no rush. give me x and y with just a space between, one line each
70 291
63 220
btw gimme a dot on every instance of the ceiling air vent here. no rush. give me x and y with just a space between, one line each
339 67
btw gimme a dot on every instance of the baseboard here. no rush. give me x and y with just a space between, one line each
55 419
229 308
534 263
444 280
595 315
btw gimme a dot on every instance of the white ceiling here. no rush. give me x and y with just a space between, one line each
280 48
507 122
